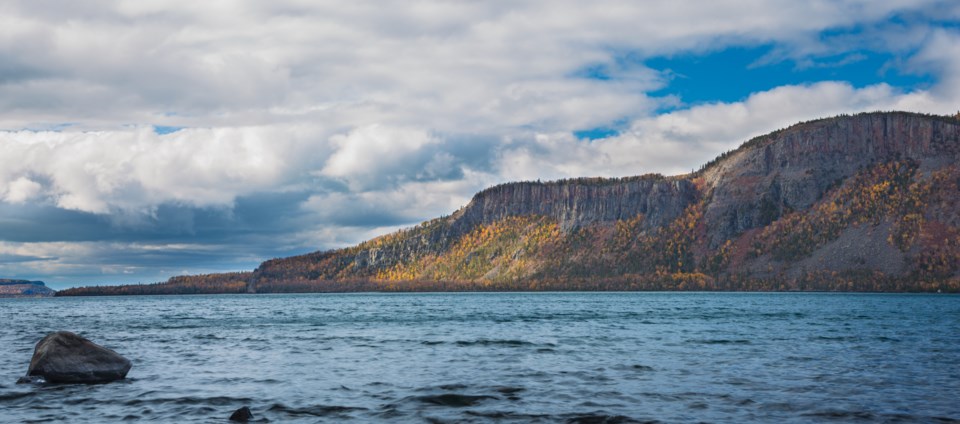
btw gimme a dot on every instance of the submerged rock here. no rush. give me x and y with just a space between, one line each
242 415
64 357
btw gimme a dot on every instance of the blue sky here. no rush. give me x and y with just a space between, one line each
733 74
208 137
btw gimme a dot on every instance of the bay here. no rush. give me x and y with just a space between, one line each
499 357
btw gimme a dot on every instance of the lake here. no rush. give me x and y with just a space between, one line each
499 357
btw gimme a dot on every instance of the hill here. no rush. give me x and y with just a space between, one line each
24 288
867 202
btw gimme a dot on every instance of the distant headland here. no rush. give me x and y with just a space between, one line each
24 288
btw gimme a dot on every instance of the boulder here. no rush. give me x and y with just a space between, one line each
64 357
242 415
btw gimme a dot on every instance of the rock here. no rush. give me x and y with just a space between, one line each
29 380
242 415
64 357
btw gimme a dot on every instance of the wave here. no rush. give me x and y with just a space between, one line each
493 342
314 410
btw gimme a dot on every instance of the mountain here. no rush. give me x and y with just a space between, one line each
869 202
24 288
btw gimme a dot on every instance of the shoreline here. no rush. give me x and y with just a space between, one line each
401 292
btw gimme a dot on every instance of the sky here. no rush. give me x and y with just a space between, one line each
145 139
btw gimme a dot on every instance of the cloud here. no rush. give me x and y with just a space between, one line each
391 206
369 155
438 65
11 258
21 190
134 171
941 55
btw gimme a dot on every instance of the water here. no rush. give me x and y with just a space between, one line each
506 357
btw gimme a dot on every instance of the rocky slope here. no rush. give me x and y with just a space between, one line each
794 168
864 202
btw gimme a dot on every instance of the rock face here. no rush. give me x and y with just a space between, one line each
579 202
64 357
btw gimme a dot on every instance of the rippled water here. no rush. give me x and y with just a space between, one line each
506 357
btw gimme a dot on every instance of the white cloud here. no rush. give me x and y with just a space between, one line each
940 55
133 171
368 154
407 203
21 190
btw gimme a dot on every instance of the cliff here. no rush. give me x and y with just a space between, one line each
580 202
864 202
